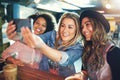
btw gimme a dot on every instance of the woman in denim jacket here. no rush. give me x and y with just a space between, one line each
62 48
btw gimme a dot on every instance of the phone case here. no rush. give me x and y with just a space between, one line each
23 22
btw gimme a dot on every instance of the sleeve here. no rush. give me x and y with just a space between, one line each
20 51
48 36
70 56
113 58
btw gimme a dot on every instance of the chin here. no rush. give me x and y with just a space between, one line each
88 39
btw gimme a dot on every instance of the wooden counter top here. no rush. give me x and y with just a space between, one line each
27 73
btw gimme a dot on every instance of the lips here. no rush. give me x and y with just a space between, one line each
38 30
66 34
85 33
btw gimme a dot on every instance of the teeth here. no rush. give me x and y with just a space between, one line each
86 33
38 30
65 34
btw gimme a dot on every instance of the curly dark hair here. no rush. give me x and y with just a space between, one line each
48 18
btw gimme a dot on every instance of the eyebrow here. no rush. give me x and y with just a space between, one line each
69 24
87 21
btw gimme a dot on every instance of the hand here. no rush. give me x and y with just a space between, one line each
15 61
31 39
83 75
11 33
74 77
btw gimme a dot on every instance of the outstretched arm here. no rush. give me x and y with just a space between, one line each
35 41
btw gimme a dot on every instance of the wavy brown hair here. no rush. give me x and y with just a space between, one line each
75 17
93 49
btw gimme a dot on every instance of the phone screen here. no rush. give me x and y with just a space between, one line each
23 23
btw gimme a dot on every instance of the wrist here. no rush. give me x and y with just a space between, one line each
83 75
10 59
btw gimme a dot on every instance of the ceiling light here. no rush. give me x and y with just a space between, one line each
54 7
108 6
36 1
80 3
65 5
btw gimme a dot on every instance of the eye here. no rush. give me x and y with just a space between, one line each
44 25
62 25
37 22
70 27
88 23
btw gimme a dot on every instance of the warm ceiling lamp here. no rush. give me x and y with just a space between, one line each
108 5
36 1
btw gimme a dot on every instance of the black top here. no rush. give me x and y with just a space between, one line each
113 58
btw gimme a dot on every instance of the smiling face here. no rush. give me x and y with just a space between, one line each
67 30
40 26
87 29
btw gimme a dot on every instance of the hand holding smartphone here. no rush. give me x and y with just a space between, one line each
23 23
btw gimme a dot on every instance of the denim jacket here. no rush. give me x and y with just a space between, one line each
69 56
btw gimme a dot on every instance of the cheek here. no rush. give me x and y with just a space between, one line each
73 32
91 31
61 30
35 26
44 29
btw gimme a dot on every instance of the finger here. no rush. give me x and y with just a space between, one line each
19 63
12 35
11 30
74 77
70 78
27 35
11 27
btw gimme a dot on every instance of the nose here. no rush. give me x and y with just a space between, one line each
39 25
83 28
65 29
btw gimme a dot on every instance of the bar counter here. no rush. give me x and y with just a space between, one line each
27 73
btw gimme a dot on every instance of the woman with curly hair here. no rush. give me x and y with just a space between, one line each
42 23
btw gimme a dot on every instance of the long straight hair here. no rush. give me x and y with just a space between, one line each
75 17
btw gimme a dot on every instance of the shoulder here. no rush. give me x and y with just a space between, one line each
113 58
114 51
48 34
113 54
51 35
77 46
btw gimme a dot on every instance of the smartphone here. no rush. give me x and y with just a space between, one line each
23 23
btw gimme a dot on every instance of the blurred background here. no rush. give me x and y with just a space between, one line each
11 9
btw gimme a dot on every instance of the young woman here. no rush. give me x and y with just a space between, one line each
42 23
100 57
60 49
